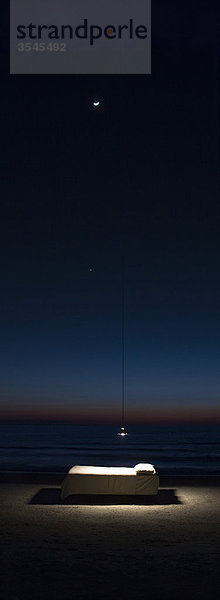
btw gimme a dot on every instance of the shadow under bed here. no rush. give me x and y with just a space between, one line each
50 496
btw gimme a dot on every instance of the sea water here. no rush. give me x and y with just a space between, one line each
55 447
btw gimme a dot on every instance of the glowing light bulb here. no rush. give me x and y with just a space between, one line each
122 432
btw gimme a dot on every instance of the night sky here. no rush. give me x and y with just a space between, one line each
80 187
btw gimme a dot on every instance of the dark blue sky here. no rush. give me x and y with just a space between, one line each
77 185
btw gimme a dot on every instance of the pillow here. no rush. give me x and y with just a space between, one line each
144 468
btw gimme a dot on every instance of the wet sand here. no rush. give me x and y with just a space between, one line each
161 547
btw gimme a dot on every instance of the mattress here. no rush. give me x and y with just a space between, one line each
139 480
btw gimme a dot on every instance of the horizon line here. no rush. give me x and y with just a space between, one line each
133 418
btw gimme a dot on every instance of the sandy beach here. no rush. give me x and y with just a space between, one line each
162 547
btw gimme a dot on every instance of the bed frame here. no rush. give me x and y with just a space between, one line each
139 480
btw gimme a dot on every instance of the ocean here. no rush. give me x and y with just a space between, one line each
55 447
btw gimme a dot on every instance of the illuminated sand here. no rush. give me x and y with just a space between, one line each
166 548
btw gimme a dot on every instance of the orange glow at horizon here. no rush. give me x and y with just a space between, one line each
100 414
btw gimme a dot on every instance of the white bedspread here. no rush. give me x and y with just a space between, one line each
140 480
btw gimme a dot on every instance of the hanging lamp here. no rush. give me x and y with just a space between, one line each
123 431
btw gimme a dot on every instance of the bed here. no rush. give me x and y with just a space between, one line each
139 480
